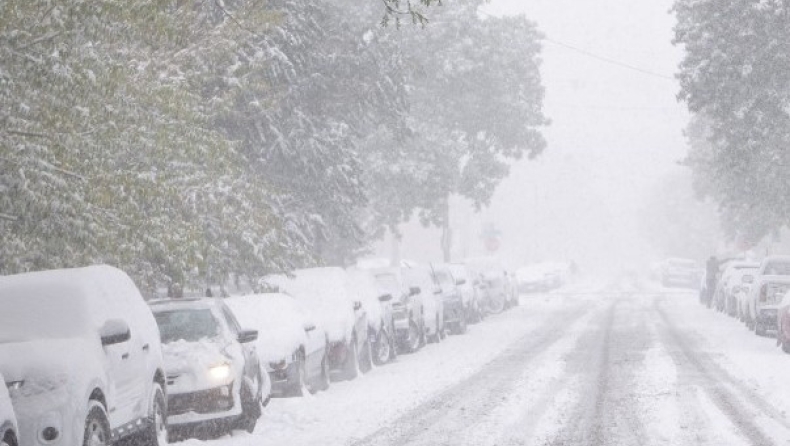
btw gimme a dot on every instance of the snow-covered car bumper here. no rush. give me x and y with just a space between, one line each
204 405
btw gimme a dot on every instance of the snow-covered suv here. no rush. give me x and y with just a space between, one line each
80 352
8 429
214 377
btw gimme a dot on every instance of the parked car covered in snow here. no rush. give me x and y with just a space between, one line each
783 323
456 308
8 429
408 310
419 278
214 376
677 272
291 346
465 280
80 351
326 294
764 299
731 275
378 306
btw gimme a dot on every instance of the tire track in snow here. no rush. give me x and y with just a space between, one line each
438 421
740 404
606 411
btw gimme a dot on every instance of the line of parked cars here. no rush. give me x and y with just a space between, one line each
755 293
86 360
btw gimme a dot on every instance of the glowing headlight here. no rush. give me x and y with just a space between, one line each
219 372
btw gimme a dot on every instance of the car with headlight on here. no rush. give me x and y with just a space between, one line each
80 353
214 375
8 427
292 347
327 296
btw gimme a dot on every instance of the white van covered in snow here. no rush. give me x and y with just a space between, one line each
80 351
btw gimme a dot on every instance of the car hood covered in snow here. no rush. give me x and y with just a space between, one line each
280 322
325 294
190 363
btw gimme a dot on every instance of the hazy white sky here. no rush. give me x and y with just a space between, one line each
615 132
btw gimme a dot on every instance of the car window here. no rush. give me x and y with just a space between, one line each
189 325
231 320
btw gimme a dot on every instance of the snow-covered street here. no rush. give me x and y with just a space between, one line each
609 363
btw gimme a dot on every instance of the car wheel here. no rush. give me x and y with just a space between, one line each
156 435
383 348
413 341
297 387
250 411
8 440
324 379
351 367
97 428
366 357
435 337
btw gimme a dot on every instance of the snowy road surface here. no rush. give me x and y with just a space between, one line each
597 364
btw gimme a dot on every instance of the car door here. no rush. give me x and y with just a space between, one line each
314 347
251 361
126 398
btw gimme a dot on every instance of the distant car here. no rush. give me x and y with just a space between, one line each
764 299
465 280
291 346
408 311
533 279
80 352
783 323
456 308
430 294
8 428
680 273
724 299
326 295
378 306
214 375
777 265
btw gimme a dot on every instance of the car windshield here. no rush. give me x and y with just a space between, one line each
189 325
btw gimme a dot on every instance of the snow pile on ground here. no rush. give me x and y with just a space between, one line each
279 319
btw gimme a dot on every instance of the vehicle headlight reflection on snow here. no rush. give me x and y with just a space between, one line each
219 372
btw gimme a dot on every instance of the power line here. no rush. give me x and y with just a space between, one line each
596 56
608 60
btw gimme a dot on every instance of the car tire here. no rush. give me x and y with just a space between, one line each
351 367
250 410
325 380
298 386
366 357
97 427
383 350
9 440
435 337
413 342
156 434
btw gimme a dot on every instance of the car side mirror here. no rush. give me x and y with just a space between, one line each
114 331
246 336
357 305
385 298
308 327
415 290
460 282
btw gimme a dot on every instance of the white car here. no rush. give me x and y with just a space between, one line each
456 308
326 294
731 276
378 306
290 344
8 427
408 312
80 352
420 279
764 299
465 280
214 376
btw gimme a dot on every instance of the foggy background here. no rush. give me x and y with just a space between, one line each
616 136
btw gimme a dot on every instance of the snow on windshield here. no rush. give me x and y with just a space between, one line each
190 325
